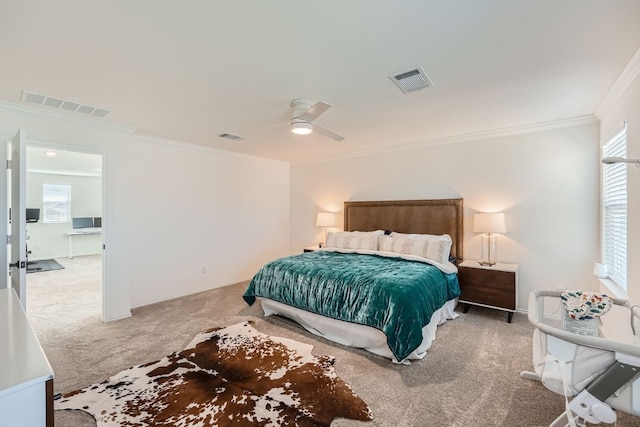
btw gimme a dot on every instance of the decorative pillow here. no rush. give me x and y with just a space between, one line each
421 236
354 240
435 248
367 233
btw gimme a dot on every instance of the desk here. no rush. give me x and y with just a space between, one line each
83 232
26 377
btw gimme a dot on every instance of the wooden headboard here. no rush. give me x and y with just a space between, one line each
435 216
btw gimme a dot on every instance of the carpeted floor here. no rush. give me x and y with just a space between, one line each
470 376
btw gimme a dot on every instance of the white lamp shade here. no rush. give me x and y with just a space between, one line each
326 219
600 271
489 223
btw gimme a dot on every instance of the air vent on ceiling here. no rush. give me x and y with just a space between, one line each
411 80
231 136
61 104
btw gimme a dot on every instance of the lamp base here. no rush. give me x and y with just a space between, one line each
488 254
487 263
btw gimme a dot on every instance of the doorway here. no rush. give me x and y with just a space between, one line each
65 271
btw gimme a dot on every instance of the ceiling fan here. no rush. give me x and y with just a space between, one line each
304 113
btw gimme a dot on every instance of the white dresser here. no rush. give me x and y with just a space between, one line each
26 378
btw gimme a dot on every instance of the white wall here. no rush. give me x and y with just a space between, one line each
546 183
192 209
171 208
49 240
628 106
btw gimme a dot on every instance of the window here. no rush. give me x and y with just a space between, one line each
56 203
614 210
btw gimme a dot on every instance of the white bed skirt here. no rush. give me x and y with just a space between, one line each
359 336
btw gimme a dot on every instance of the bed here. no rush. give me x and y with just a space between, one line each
384 284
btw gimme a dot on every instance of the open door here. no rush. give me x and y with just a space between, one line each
18 264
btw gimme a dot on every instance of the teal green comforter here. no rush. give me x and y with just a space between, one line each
393 295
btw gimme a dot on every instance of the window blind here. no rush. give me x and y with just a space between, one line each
614 210
56 203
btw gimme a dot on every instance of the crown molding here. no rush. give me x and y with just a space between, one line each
455 139
62 115
474 136
620 86
177 143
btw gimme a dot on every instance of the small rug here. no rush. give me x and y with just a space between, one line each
232 376
43 265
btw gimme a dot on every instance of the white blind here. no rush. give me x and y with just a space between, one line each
614 210
56 203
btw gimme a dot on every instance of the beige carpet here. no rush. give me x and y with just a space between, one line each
470 376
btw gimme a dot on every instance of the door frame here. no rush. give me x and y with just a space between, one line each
4 217
105 225
18 216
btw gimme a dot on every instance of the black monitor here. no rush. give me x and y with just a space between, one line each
97 221
33 214
83 222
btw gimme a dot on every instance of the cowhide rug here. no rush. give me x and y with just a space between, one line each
232 376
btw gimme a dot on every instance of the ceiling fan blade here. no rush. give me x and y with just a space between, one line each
314 111
326 132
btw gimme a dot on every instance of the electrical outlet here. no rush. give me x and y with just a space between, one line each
204 269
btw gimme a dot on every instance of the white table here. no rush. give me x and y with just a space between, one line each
26 377
84 232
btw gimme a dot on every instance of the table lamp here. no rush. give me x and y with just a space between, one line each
489 224
325 220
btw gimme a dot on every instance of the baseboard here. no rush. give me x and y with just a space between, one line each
193 292
118 317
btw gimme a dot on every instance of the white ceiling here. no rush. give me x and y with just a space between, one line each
62 162
189 71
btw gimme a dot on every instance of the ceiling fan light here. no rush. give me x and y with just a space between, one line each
301 128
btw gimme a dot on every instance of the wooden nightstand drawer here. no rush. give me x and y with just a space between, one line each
495 279
494 287
488 296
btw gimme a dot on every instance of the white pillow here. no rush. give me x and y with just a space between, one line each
435 248
353 240
369 233
421 236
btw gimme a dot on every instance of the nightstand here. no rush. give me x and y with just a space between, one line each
311 249
493 286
